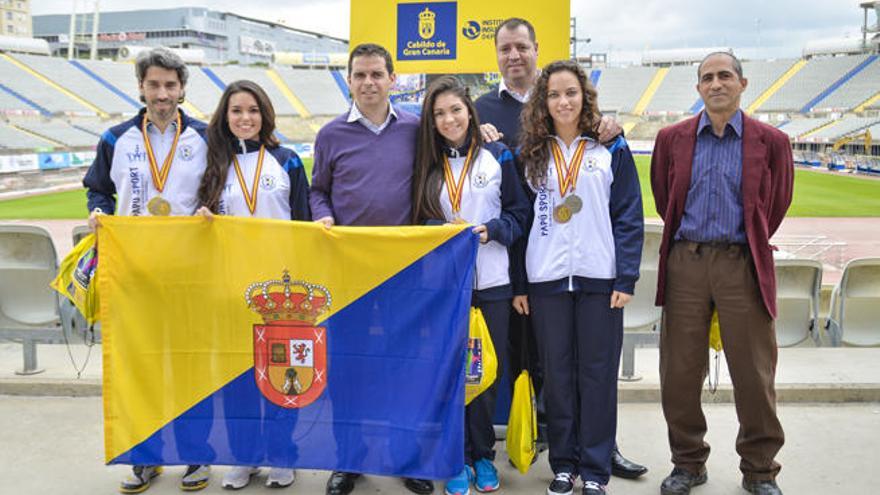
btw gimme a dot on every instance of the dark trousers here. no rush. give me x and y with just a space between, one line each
701 277
479 433
579 339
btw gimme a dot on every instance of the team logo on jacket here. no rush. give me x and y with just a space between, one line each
267 182
290 352
480 180
185 152
138 155
590 164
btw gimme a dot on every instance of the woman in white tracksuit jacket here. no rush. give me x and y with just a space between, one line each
458 178
250 175
580 262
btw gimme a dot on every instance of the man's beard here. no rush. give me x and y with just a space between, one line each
165 114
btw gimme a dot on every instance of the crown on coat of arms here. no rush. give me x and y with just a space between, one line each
427 15
288 300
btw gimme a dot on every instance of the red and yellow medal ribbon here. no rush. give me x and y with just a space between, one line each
160 175
250 197
455 186
567 173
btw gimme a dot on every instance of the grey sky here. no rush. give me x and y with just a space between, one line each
621 28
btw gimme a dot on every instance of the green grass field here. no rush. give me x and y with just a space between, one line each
61 206
815 195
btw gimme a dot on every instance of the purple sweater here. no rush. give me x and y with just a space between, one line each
360 178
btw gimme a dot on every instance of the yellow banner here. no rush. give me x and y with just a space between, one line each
455 36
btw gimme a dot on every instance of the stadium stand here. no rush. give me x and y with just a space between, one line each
676 93
40 93
79 83
232 73
201 91
11 103
59 131
15 139
813 104
121 76
620 88
317 90
847 125
816 76
93 126
761 75
855 91
339 77
799 127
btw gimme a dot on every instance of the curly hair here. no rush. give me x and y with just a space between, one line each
537 124
222 144
428 174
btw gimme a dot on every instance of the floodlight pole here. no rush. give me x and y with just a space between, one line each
95 19
72 32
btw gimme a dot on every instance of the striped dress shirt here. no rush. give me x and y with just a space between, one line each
713 211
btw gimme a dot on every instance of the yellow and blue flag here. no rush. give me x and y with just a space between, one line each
272 343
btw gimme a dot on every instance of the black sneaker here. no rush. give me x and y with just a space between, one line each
593 488
680 482
563 484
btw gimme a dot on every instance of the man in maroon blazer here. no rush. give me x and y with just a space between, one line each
722 183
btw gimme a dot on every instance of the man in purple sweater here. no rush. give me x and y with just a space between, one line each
363 171
364 158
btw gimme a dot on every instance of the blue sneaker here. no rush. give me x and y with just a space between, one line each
461 484
487 476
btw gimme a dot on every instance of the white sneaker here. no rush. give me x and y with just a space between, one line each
139 479
238 477
195 478
280 477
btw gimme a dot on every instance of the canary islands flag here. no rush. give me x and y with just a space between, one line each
274 343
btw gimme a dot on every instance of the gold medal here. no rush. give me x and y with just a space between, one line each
455 187
574 203
250 197
562 214
567 173
459 220
159 206
160 175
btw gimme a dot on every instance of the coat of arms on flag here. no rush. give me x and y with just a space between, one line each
290 352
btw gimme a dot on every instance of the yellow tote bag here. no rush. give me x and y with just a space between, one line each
482 364
715 333
76 276
522 427
715 344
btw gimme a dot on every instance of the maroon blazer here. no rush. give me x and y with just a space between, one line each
767 182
